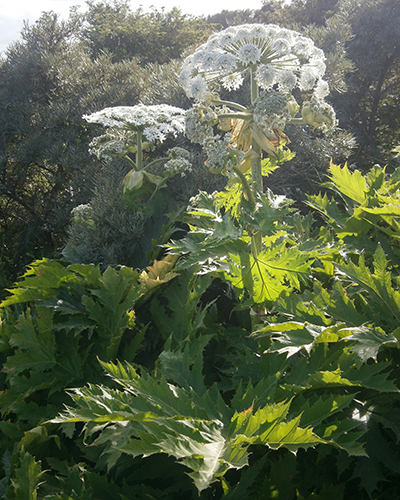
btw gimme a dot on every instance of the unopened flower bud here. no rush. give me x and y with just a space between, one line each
132 181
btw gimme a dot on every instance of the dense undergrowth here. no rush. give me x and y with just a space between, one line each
214 371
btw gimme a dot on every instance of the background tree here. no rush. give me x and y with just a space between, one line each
158 36
370 107
47 82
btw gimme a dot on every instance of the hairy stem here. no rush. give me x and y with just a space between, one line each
241 116
246 186
256 172
139 154
229 104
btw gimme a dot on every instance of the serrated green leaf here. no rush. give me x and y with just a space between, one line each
273 272
369 341
375 287
35 342
27 478
198 429
350 184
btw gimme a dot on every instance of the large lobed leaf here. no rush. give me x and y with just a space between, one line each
198 429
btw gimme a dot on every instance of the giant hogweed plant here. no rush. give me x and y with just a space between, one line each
296 393
279 64
301 373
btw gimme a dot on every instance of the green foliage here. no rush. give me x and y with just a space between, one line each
216 243
154 37
244 361
193 425
75 314
27 477
222 374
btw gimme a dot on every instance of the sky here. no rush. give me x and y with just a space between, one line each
14 12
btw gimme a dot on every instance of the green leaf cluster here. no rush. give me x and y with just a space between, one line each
218 370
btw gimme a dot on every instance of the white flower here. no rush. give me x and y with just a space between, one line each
156 122
258 31
281 47
287 80
226 62
266 76
308 77
318 64
199 88
303 47
321 90
249 54
233 81
242 32
208 60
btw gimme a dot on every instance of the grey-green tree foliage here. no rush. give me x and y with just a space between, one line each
47 82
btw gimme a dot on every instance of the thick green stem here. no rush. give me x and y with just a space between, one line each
246 186
154 162
256 172
254 86
229 104
247 277
241 116
131 162
139 154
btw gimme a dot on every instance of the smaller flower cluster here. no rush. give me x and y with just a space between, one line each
114 144
272 110
156 122
318 113
199 123
221 155
179 162
83 214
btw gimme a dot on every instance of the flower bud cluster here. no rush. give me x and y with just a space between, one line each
116 143
83 214
221 155
179 162
318 113
199 123
155 122
271 110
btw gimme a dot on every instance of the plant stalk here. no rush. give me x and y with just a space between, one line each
139 154
229 104
256 172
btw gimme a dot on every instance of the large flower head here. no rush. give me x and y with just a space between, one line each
280 58
155 122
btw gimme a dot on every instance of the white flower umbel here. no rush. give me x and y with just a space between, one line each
276 55
155 122
127 127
